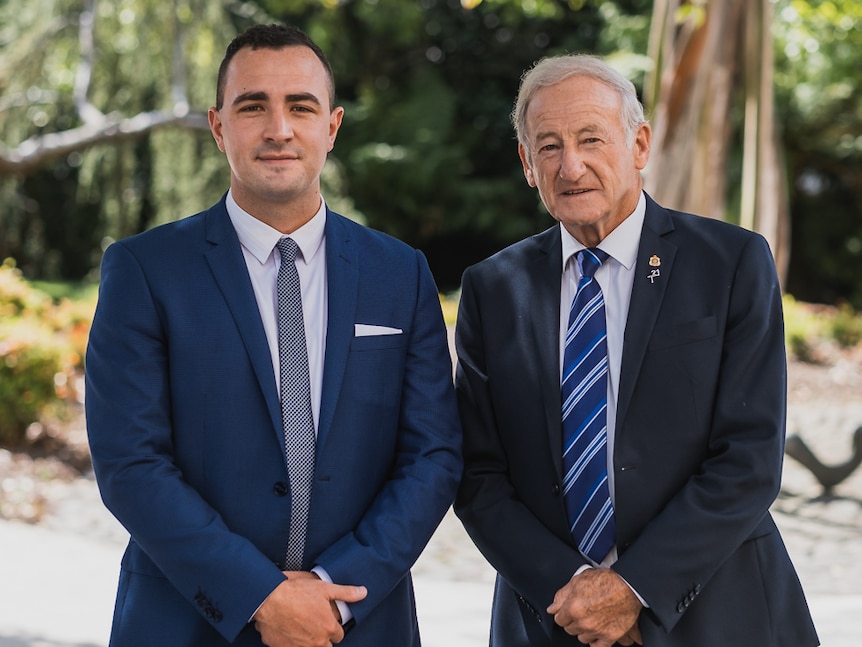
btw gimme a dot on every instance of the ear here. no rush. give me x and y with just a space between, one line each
335 118
525 162
641 146
214 119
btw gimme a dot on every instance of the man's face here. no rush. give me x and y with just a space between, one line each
276 126
575 154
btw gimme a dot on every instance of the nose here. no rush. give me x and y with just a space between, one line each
280 126
572 164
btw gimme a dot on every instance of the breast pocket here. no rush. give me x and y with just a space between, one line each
377 342
375 370
684 333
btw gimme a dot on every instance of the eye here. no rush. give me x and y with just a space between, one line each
251 107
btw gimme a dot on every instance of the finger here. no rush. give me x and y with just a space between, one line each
347 593
564 617
337 636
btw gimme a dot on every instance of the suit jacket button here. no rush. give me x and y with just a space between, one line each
280 488
557 489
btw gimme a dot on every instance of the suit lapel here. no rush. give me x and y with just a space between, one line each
342 276
646 300
231 274
543 310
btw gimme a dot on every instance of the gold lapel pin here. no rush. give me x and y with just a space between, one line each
655 263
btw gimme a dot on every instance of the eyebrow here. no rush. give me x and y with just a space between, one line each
288 98
553 134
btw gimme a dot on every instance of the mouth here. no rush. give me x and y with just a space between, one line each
278 156
576 192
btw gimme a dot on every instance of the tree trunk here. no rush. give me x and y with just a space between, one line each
702 51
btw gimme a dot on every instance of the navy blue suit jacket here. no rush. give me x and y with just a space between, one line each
185 432
698 446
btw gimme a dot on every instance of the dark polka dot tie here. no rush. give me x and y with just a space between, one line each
297 419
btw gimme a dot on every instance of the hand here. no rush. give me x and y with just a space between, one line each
633 637
301 612
599 608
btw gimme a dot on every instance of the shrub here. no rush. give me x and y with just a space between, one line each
41 354
800 330
846 327
812 330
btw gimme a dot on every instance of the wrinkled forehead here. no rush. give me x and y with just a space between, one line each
576 104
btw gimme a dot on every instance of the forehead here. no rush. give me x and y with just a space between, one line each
290 69
572 104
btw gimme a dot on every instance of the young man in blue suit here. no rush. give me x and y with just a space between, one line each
199 396
658 533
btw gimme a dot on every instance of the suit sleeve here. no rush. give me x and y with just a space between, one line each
130 429
524 551
423 475
724 501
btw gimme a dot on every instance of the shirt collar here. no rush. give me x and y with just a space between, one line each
621 244
260 239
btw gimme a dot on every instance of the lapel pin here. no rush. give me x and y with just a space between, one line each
655 263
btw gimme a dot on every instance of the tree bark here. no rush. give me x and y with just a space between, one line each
702 51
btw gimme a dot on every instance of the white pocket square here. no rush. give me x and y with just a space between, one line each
369 330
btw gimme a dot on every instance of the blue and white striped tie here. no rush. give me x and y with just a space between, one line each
585 403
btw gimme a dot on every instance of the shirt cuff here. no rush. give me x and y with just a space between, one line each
343 609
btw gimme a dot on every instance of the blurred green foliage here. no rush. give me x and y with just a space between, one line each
818 46
426 151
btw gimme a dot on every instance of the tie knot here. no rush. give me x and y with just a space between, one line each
589 260
287 247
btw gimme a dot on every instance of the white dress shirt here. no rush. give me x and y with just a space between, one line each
615 277
258 242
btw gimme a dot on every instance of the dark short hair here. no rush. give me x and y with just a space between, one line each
271 37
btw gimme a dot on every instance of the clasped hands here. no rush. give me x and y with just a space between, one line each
599 608
301 612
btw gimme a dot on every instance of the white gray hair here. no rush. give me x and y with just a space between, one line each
552 70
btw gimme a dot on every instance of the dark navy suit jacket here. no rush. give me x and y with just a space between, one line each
698 446
185 432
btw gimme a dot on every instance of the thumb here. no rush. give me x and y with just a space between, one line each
346 593
557 604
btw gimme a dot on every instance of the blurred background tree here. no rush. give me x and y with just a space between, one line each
713 57
102 105
818 81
